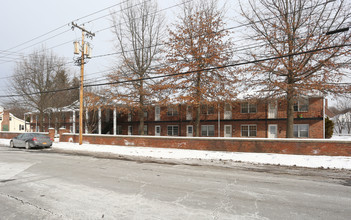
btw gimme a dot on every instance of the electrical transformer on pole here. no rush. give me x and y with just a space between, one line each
85 50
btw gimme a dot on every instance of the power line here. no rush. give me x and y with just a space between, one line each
187 72
58 28
225 29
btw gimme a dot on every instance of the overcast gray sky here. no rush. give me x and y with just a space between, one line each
22 21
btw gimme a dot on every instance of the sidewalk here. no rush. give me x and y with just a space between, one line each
200 157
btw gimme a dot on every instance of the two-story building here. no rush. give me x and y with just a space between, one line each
9 122
262 118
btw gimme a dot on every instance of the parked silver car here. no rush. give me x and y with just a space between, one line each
30 140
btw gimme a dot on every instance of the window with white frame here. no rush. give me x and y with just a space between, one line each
189 112
227 111
207 109
301 105
301 130
247 107
248 130
172 111
157 113
207 130
145 114
129 116
172 130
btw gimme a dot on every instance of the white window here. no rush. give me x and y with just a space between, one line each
207 130
189 112
227 111
130 130
145 114
172 130
248 107
172 111
248 130
273 109
157 113
129 116
301 105
301 130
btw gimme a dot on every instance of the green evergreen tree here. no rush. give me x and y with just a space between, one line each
329 128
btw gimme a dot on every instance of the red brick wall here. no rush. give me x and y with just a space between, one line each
8 135
282 146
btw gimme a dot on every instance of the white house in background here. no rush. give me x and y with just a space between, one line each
9 122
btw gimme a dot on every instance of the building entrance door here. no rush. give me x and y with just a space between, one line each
157 130
227 131
189 131
272 131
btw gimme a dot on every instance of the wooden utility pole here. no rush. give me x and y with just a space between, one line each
85 52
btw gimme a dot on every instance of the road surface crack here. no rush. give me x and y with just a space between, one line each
30 204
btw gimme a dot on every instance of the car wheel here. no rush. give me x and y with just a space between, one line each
11 144
27 145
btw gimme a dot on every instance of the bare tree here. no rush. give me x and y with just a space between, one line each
199 41
306 59
34 78
343 119
138 30
92 103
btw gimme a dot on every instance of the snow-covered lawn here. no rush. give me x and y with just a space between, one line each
203 157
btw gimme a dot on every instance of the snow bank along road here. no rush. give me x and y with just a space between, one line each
200 157
39 184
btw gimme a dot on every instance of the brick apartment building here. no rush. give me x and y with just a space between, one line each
263 119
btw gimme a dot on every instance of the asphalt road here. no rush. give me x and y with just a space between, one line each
42 184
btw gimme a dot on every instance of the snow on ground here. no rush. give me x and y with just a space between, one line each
202 157
342 137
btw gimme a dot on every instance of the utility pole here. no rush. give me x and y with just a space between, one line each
85 51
